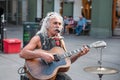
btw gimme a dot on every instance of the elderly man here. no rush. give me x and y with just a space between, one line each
42 47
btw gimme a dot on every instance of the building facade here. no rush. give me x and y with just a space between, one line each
64 7
102 13
18 11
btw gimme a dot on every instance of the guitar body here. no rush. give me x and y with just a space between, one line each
38 69
43 71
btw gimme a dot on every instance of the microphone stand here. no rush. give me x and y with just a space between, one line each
100 62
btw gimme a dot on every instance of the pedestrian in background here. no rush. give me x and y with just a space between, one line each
66 21
70 24
80 25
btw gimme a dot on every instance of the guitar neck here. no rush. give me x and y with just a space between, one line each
97 44
69 54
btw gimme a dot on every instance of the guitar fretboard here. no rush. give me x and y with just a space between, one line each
97 44
68 54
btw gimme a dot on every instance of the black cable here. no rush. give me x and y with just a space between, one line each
21 70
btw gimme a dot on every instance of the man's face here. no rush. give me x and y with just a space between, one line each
55 24
80 17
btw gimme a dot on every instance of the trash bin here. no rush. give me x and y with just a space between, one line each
29 30
12 45
38 19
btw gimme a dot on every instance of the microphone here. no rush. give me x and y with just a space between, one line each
57 30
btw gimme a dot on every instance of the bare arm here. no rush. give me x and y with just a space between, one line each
81 53
84 26
63 45
30 51
75 57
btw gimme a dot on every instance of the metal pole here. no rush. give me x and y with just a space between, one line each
6 10
100 76
17 11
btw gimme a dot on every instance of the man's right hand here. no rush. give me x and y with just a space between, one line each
47 57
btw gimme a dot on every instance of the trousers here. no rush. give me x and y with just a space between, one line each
78 29
62 76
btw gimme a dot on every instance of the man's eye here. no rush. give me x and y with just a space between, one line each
57 23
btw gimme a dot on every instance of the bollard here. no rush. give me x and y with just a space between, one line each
5 33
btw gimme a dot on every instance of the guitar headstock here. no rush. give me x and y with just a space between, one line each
98 44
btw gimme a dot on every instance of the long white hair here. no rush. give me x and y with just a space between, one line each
46 22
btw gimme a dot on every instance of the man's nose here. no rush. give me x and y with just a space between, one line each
57 25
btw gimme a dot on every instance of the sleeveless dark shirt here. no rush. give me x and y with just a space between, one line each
47 43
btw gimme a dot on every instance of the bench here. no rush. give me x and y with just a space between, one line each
86 30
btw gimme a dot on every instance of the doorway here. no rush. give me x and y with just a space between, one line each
86 8
116 18
12 11
66 8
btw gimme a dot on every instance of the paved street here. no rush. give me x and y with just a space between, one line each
9 63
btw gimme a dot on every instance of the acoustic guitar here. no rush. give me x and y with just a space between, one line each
41 70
